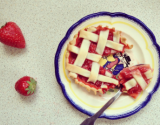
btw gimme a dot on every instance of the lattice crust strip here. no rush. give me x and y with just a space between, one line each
102 41
90 56
94 72
130 84
88 35
82 53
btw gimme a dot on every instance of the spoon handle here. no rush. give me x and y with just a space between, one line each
95 116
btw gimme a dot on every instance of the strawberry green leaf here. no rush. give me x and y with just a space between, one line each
27 89
31 79
32 86
29 82
28 92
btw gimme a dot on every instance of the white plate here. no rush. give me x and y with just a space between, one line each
145 50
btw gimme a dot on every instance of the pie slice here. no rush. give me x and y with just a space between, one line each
135 79
85 51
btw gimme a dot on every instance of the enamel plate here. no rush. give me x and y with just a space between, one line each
145 50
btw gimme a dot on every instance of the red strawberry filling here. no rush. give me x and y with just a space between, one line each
126 75
88 63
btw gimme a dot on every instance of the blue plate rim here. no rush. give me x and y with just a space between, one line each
116 14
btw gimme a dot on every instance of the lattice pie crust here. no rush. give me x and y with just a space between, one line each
82 54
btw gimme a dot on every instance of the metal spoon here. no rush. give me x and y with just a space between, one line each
92 119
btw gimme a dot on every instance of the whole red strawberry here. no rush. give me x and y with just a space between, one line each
26 85
11 35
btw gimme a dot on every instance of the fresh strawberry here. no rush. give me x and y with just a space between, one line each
25 86
11 35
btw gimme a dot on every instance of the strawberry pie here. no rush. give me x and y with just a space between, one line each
135 79
85 51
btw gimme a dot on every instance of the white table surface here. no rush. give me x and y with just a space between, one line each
44 23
